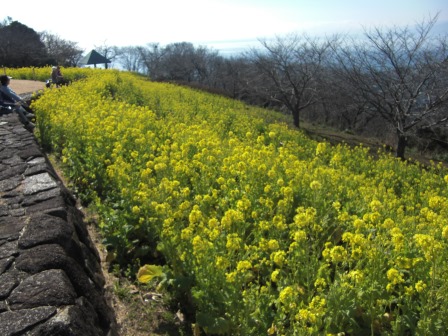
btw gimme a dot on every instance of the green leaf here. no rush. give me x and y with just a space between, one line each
147 272
212 324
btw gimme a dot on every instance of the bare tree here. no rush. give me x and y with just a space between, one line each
130 58
152 57
339 105
400 73
60 51
178 62
181 62
203 60
233 76
292 66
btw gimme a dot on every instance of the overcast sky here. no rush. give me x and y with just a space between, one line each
222 25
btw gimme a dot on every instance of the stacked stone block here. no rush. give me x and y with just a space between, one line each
51 281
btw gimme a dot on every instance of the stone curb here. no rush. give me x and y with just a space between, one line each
51 282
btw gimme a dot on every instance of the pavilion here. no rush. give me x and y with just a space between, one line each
94 58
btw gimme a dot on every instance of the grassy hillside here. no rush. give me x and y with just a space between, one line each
256 228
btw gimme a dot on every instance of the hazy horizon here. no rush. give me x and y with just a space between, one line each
228 26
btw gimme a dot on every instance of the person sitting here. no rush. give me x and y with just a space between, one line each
10 99
56 76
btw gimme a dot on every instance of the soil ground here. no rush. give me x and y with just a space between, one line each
26 86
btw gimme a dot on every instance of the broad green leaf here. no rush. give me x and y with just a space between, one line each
147 272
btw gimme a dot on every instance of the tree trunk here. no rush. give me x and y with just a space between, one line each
295 117
401 145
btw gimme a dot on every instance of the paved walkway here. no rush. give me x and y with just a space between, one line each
50 275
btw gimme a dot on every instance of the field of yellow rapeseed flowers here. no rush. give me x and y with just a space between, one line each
265 231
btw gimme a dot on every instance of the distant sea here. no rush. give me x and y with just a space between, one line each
231 48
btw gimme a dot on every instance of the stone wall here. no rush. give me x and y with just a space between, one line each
51 281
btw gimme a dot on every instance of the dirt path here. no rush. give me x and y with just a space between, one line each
21 86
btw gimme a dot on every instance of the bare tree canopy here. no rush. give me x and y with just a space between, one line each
291 68
180 62
400 74
151 58
129 58
60 51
